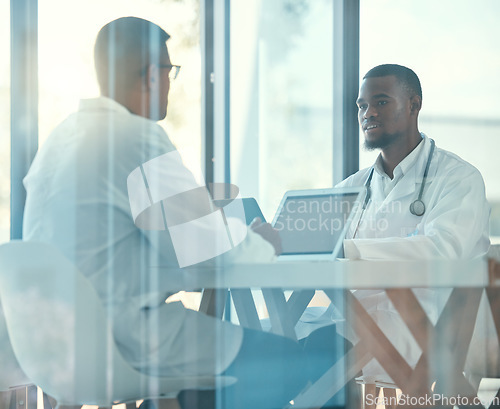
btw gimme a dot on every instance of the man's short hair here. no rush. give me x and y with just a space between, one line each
406 77
124 48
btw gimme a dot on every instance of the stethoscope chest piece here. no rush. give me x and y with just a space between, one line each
417 208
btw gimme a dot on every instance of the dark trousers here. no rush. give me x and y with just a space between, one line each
271 370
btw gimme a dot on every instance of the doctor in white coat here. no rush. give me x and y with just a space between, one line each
423 201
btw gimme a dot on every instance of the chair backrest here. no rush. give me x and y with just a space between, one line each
60 334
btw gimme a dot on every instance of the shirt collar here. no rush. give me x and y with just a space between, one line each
407 163
102 104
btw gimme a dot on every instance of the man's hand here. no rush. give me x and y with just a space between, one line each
267 232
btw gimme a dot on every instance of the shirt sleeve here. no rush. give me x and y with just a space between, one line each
176 215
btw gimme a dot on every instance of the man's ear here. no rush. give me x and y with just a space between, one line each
415 104
152 76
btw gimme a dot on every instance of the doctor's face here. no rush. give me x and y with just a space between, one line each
384 111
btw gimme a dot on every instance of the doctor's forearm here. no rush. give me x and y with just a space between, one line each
394 248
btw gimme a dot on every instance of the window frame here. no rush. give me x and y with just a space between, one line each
215 43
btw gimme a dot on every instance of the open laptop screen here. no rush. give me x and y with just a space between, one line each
313 224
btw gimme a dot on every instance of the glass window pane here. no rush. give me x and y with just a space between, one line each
281 97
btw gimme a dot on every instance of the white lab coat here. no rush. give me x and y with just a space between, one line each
77 200
455 225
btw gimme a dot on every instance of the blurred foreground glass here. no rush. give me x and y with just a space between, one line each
281 97
5 122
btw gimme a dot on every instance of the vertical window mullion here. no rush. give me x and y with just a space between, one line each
351 86
24 103
346 84
207 87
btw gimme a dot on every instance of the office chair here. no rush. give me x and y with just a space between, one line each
62 339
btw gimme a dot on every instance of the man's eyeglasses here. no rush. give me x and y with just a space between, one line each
173 70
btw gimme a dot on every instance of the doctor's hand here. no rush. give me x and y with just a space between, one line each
267 232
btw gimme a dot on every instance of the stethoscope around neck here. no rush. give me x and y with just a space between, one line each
417 207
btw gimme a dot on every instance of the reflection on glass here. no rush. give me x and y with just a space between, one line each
281 97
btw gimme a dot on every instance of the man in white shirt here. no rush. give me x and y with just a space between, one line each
79 201
424 202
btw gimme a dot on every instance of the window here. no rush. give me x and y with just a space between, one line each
281 97
5 123
66 67
456 59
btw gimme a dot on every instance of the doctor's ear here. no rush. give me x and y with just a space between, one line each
152 76
415 104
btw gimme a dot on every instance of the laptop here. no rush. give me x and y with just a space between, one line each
313 223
